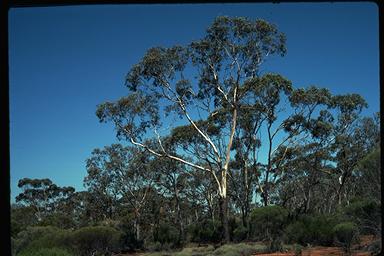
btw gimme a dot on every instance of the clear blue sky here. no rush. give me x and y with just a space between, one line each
66 60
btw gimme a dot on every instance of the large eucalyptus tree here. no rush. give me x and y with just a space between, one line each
202 84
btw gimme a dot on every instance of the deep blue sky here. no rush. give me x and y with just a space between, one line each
66 60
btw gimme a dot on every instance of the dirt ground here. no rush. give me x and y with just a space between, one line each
319 251
313 251
329 251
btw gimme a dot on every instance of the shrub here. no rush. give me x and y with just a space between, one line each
345 234
296 232
316 229
275 245
129 240
320 229
59 220
366 213
60 239
30 234
46 252
166 234
267 222
97 239
206 232
240 233
240 249
297 249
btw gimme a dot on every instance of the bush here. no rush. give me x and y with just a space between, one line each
316 229
166 234
267 222
240 249
31 234
52 238
240 233
206 232
296 232
98 239
129 240
59 220
46 252
367 214
345 234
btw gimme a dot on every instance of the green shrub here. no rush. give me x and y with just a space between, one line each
206 232
320 229
275 245
31 234
97 239
240 233
296 232
152 246
129 240
240 249
267 222
46 252
317 229
345 233
297 249
166 234
59 220
366 213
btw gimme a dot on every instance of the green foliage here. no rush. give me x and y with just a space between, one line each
32 234
241 249
296 232
297 249
206 232
46 252
165 233
238 250
240 233
59 220
369 173
128 237
275 245
267 222
97 239
346 233
316 229
42 194
366 213
21 217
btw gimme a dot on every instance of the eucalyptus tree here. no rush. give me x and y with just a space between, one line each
171 182
347 151
351 146
42 195
119 176
321 166
230 53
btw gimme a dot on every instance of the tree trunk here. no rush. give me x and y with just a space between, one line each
137 225
179 219
224 218
265 197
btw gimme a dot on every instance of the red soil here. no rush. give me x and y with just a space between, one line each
329 251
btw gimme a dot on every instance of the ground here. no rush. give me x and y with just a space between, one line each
244 250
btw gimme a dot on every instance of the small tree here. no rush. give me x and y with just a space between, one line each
346 234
